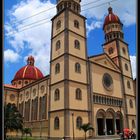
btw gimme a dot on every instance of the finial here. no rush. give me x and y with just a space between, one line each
30 60
110 10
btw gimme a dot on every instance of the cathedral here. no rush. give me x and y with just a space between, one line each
80 89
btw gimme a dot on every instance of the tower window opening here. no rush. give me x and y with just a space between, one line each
78 94
128 84
76 24
57 95
58 25
58 44
57 68
111 50
77 44
124 51
78 122
56 123
77 68
131 103
126 67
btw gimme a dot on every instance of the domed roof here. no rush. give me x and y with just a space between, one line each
29 71
111 18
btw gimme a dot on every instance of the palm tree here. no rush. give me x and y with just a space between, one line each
26 131
86 127
12 118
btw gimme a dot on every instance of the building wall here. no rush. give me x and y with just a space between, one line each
97 73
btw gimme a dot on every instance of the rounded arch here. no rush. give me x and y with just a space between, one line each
56 123
110 112
79 122
110 118
100 113
100 120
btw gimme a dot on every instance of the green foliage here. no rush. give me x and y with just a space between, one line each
86 127
27 131
12 118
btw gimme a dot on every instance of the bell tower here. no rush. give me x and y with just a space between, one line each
118 51
69 106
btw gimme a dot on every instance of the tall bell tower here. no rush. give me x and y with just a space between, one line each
69 106
118 51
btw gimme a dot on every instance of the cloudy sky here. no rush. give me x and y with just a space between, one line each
27 27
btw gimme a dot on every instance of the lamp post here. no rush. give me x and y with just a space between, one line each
73 124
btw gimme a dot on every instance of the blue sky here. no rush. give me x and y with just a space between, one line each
19 44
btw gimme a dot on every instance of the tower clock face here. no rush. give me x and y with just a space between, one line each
107 81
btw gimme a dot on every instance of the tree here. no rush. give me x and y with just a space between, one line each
12 118
86 127
26 131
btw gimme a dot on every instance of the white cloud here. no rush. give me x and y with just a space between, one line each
11 56
37 39
133 65
126 12
93 25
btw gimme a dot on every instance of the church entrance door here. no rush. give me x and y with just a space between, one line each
109 125
100 122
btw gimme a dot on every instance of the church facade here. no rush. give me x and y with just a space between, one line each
79 89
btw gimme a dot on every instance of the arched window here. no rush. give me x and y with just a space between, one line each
58 24
128 84
78 94
34 109
131 103
76 24
57 95
26 82
57 68
58 45
110 50
133 124
126 67
77 68
56 123
77 44
124 51
78 122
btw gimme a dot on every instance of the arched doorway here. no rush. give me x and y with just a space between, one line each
110 127
100 122
119 122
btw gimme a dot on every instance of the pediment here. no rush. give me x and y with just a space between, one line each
105 61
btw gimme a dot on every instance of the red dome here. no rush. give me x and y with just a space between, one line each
111 18
29 72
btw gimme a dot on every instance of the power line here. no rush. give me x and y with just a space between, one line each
33 15
49 17
61 17
99 5
15 22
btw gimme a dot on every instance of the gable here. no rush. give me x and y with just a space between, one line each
105 61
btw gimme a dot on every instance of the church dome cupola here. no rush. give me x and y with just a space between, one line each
112 26
27 74
111 18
